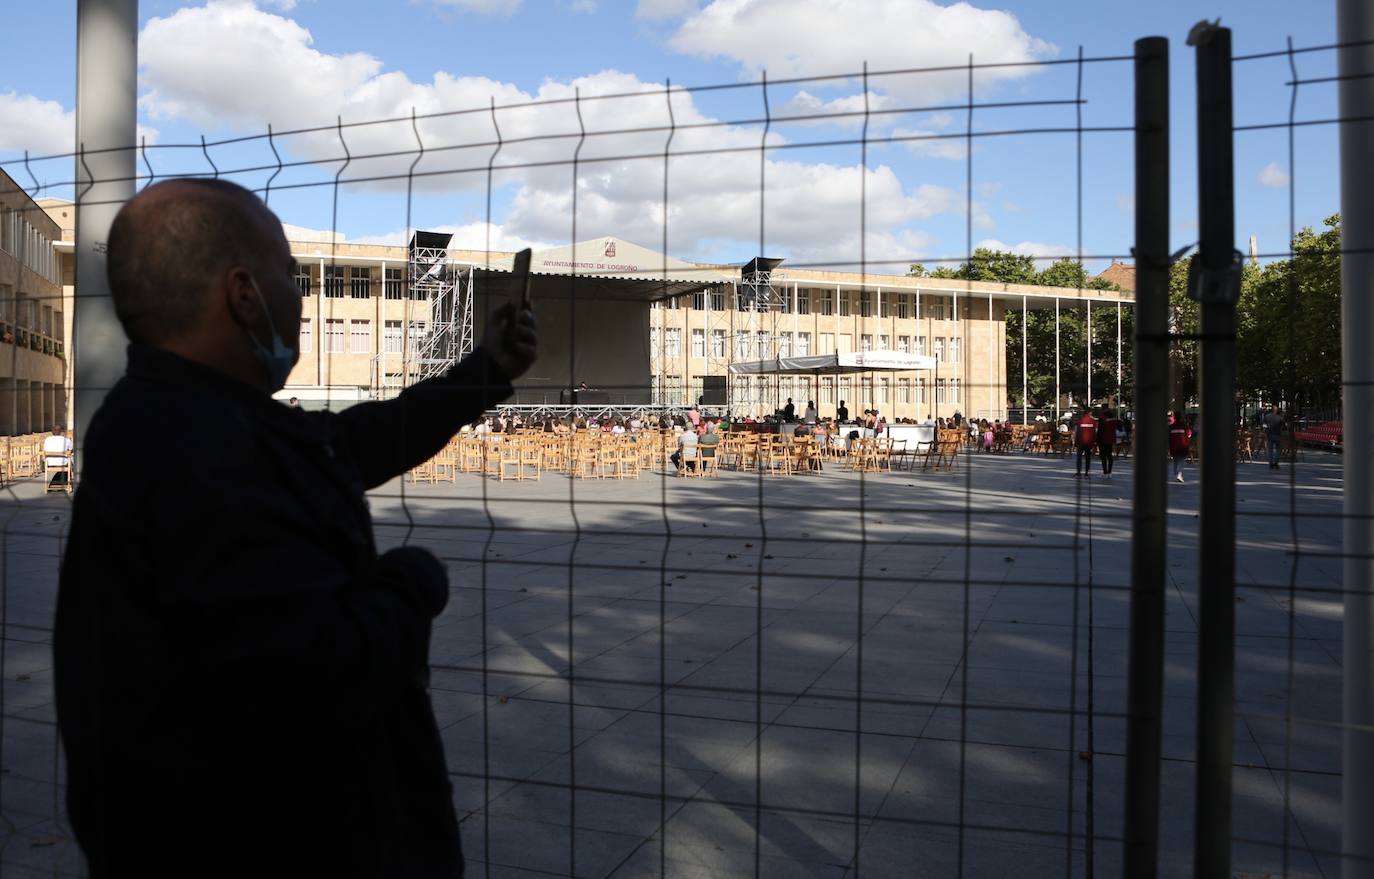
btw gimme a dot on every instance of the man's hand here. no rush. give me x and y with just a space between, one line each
511 339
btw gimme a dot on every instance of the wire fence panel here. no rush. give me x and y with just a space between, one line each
814 651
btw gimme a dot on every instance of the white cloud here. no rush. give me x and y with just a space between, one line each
929 143
30 123
847 110
466 236
233 66
1272 176
661 9
1044 253
312 236
823 37
482 7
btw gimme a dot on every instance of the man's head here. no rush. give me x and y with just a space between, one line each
57 430
201 268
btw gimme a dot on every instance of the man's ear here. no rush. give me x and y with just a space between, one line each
240 298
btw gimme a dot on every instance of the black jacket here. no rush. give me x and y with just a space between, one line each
241 681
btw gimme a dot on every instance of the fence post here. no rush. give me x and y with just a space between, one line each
1146 682
1215 285
1355 65
106 90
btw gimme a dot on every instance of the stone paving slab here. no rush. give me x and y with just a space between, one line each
975 760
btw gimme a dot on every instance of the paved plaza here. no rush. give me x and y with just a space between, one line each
715 651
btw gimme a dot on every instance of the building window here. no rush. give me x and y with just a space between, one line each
921 345
940 348
698 343
761 347
884 343
307 337
699 300
785 345
903 305
954 386
827 343
827 302
885 390
391 337
395 284
742 345
786 296
803 344
334 282
718 343
846 343
718 299
846 389
803 302
904 389
904 344
673 391
360 337
360 283
954 346
844 304
865 303
866 385
828 389
921 391
672 346
866 342
303 280
939 391
334 336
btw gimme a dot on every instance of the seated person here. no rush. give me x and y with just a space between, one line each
686 442
57 454
707 442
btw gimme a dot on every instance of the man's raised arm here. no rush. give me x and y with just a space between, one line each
390 437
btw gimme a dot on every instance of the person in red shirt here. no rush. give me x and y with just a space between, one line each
1085 437
1106 438
1179 436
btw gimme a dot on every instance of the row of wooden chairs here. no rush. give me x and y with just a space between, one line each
529 454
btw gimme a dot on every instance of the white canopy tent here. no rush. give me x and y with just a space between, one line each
836 364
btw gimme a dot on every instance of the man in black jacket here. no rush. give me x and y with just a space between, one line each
242 681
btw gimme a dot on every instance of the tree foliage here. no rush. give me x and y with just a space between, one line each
1038 328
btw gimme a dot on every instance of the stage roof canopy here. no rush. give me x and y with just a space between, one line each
639 273
831 364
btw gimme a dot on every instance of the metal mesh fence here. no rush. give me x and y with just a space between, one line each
860 659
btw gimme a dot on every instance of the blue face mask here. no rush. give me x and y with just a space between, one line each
281 358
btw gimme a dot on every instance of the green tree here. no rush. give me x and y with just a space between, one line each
1288 334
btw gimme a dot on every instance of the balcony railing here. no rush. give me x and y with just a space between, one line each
12 334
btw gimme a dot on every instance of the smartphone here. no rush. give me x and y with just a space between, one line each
520 280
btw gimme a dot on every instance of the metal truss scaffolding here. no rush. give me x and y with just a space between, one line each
757 303
448 288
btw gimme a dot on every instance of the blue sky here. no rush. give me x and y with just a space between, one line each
228 68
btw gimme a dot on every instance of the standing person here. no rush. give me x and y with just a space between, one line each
1273 434
1179 437
1106 439
1085 437
841 413
235 663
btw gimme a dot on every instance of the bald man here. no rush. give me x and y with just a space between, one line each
242 681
